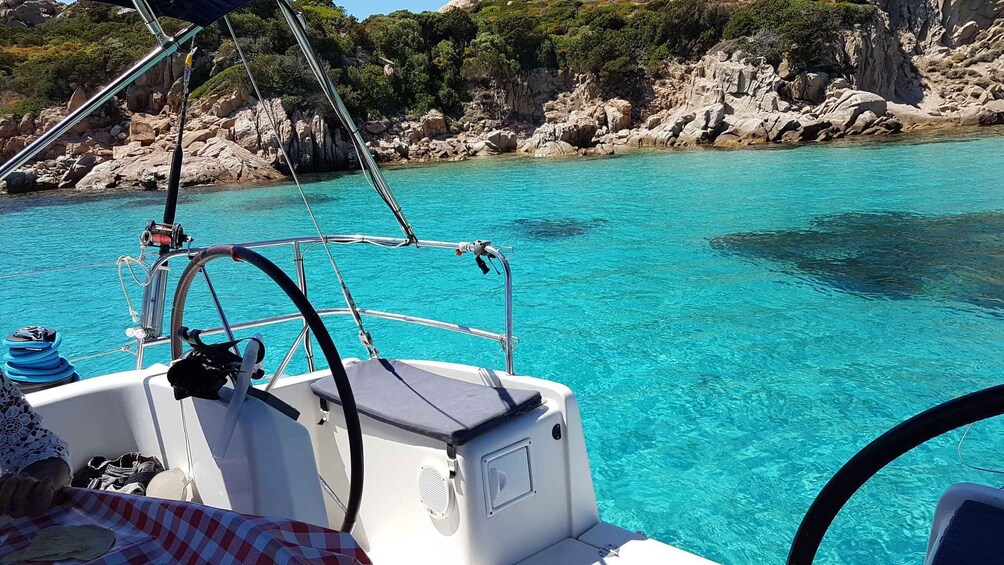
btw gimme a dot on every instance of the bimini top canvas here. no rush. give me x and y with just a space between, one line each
199 12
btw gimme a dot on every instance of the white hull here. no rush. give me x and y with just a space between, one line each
274 463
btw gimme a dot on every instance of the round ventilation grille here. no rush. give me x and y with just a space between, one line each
435 491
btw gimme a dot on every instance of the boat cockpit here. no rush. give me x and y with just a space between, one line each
422 461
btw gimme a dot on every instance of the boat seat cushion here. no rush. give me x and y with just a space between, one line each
975 536
428 404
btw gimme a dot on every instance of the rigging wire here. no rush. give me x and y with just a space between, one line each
366 162
962 458
364 336
127 348
55 270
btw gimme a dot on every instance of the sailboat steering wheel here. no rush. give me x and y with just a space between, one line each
313 321
888 447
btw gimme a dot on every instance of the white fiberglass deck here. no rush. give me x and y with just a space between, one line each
277 466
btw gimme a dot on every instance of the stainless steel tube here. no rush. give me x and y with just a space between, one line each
153 318
154 298
151 21
285 360
106 94
370 166
508 345
262 322
301 281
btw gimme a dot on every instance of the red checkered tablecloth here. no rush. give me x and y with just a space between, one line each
153 531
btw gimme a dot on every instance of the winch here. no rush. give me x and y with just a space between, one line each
33 361
171 236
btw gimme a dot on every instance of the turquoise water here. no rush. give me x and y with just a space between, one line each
736 324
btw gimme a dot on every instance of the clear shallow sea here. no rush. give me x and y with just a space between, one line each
736 324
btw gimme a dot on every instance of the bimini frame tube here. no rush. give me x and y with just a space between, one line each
91 106
151 21
369 164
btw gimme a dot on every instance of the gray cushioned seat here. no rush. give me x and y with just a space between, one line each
975 536
425 403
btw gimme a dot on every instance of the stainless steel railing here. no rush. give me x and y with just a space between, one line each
155 294
161 52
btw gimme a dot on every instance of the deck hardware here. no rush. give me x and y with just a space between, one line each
451 460
151 22
494 266
285 360
171 236
480 249
556 431
482 265
435 492
324 413
301 281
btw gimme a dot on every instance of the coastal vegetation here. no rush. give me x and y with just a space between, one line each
548 78
410 63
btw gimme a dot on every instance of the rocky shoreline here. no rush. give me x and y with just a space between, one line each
902 75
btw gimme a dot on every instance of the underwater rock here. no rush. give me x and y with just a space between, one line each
889 255
557 228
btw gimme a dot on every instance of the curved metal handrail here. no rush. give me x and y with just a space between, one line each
274 320
154 295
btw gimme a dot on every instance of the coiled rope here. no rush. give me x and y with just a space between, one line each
33 360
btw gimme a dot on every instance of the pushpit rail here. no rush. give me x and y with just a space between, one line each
155 294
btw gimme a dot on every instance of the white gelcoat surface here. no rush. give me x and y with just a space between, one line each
273 463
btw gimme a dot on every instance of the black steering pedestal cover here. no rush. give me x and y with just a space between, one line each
203 371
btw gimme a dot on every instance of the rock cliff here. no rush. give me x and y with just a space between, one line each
912 64
28 13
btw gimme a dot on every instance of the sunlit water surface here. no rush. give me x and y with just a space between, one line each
736 324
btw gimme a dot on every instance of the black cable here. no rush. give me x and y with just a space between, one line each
375 178
888 447
316 325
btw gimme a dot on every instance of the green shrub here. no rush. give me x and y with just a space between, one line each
803 28
961 73
486 59
32 106
433 57
982 81
984 57
375 88
232 78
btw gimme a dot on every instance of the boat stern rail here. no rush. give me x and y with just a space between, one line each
155 294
